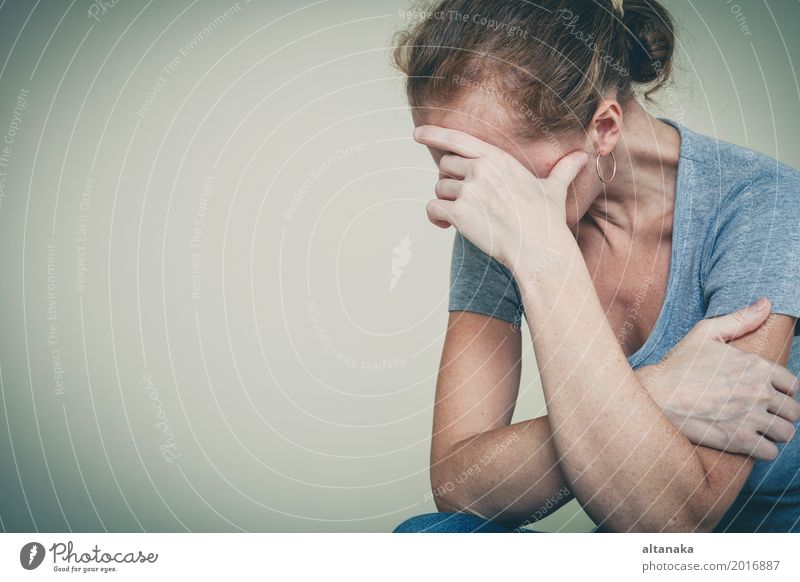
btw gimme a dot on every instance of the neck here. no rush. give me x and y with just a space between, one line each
642 193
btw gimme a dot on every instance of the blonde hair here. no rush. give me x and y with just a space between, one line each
551 61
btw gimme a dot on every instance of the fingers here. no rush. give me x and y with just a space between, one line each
749 442
784 381
454 166
764 450
568 167
448 188
778 429
785 406
734 325
440 213
452 140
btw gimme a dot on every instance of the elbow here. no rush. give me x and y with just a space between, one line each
697 511
703 519
699 514
445 504
689 525
700 503
683 521
707 504
449 501
689 522
447 488
457 490
446 495
451 493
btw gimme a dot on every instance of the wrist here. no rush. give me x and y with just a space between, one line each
547 256
648 377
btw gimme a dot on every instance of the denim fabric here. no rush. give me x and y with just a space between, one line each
447 522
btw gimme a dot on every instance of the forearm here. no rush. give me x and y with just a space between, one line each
622 458
510 475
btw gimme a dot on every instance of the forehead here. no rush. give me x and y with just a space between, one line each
477 116
489 121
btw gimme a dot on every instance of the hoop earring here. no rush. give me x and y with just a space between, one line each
613 169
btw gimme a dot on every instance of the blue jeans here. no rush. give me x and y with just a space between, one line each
452 522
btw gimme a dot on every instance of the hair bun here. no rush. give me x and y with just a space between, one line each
546 65
650 41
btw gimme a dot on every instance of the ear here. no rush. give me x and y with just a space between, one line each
605 128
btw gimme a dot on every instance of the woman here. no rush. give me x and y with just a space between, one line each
624 240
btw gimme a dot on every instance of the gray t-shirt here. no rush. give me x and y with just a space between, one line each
736 237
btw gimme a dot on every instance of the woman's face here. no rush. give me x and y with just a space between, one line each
539 156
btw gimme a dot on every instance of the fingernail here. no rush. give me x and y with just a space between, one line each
761 304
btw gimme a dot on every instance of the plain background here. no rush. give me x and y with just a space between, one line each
255 342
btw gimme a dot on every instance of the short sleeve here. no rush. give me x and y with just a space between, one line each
481 284
755 246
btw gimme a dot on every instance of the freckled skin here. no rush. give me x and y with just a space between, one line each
628 465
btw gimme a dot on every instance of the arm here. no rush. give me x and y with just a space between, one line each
722 397
479 461
627 464
482 464
607 430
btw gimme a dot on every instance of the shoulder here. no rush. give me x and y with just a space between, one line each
738 178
